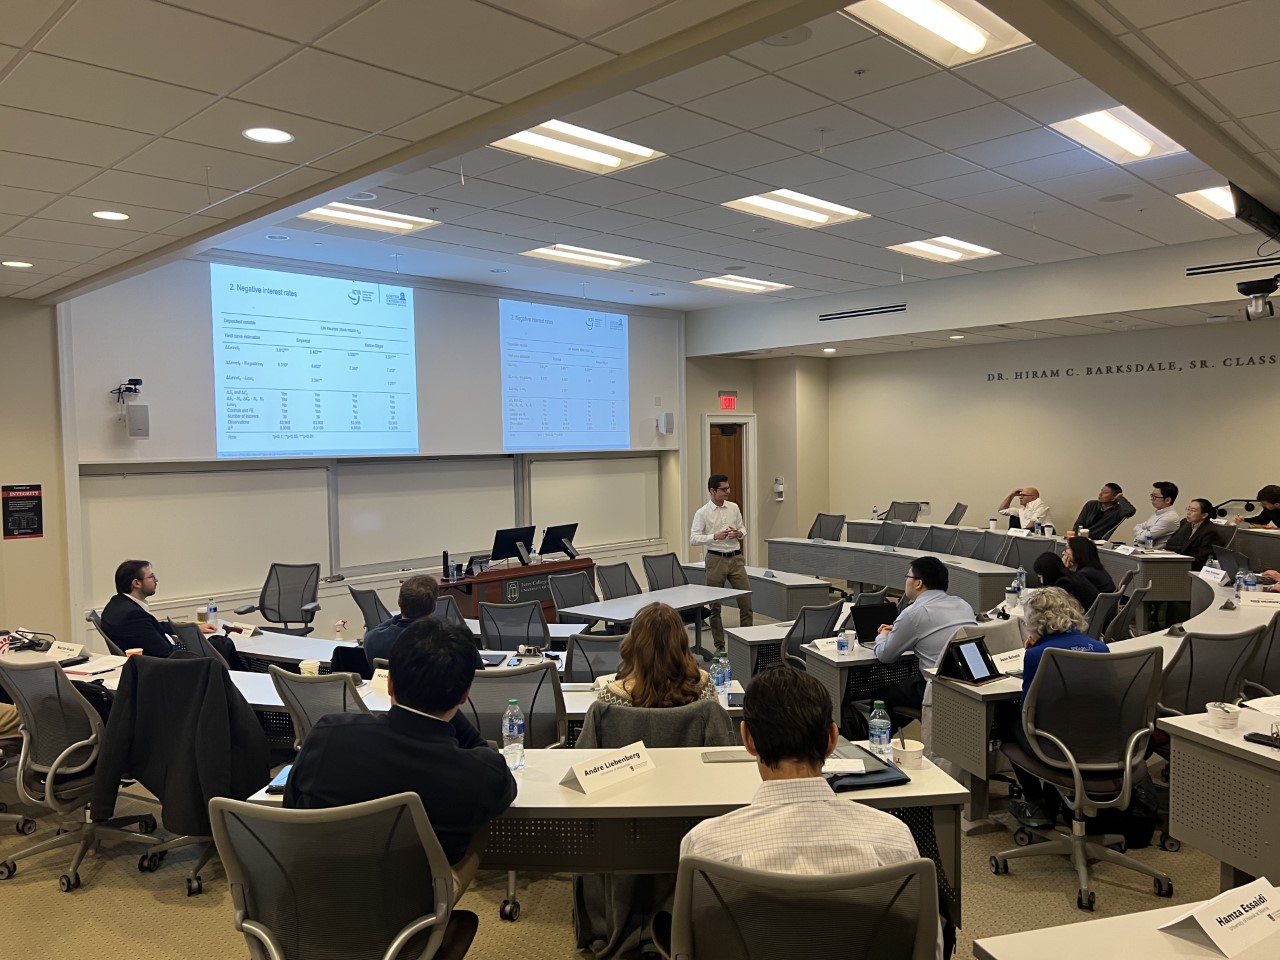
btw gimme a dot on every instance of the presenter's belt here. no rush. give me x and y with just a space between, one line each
721 553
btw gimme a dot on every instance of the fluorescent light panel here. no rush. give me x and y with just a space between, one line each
796 209
558 142
1118 134
368 218
741 284
944 250
1213 202
948 32
583 257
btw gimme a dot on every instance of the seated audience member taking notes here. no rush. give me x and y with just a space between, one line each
795 823
1269 508
1081 556
1054 573
1196 535
1030 508
424 744
924 628
1161 524
1053 620
718 526
127 618
1101 517
657 668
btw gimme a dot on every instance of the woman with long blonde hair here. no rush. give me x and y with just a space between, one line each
657 669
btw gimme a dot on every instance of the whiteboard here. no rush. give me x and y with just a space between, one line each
612 499
398 511
206 533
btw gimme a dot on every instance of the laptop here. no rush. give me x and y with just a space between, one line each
1229 561
868 618
969 661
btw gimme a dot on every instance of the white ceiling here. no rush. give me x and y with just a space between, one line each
97 113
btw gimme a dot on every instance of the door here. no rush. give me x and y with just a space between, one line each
726 457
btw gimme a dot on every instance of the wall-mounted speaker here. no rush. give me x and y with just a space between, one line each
137 420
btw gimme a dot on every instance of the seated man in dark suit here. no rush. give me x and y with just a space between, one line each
417 600
424 744
128 620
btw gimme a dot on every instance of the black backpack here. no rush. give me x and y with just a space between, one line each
99 697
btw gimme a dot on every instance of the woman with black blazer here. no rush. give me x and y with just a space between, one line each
1053 573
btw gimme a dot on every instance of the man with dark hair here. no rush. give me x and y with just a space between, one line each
924 628
1197 535
417 600
719 527
1269 508
1101 517
127 618
1161 524
424 743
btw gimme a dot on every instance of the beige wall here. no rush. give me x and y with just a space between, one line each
33 573
933 425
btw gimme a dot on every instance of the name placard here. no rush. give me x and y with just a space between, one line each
379 682
609 768
1127 549
1213 575
61 650
1257 598
1019 532
1232 921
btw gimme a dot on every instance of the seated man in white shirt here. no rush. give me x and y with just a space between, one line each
1159 527
1030 510
795 823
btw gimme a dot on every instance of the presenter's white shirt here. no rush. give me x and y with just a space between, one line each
710 520
1027 516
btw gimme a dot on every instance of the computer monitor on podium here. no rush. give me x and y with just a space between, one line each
514 543
559 539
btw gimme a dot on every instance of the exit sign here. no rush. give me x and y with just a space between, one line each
728 403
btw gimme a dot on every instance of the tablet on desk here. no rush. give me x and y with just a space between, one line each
493 659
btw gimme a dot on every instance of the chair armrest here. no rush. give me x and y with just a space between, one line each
247 608
796 662
311 607
1257 689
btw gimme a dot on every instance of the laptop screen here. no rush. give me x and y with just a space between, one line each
971 652
867 619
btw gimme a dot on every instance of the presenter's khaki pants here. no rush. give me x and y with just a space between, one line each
731 570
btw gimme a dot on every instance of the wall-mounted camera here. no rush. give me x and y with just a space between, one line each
1259 306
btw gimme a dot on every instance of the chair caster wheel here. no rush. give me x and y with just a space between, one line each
67 883
998 865
1022 836
26 827
147 824
195 887
8 869
1015 791
1172 844
149 862
510 910
1084 904
1164 889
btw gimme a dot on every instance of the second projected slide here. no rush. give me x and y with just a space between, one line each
309 366
565 378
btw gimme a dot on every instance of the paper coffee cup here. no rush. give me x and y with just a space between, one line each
1224 716
909 754
991 524
1084 532
309 668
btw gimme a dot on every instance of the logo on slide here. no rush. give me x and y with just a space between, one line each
396 299
354 297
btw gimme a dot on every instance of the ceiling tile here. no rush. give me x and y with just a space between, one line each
21 21
85 92
656 231
422 181
196 51
42 173
762 100
1063 101
659 205
295 19
1019 146
712 217
884 64
847 187
547 208
132 188
606 221
738 152
1243 92
1174 165
579 20
537 175
319 84
361 152
880 204
933 96
723 189
939 166
700 81
1247 30
666 173
786 174
442 118
822 128
17 200
37 250
498 221
968 185
832 32
1055 165
7 54
1144 13
446 210
657 25
63 139
564 65
1266 128
1018 71
605 192
142 219
987 122
197 163
879 151
62 231
293 181
482 161
479 192
221 125
615 111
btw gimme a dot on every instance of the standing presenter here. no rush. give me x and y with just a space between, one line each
718 526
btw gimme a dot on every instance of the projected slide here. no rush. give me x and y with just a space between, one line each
309 366
564 378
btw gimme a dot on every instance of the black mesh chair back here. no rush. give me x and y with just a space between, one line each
447 609
371 607
907 511
723 911
828 526
536 687
56 720
957 514
1020 552
506 626
868 597
289 588
192 639
1208 669
993 547
1127 579
1203 596
940 540
616 580
1262 678
591 655
397 887
967 544
890 533
1100 613
113 648
571 590
309 698
812 623
663 570
1121 625
913 537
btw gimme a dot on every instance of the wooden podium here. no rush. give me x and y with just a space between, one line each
513 584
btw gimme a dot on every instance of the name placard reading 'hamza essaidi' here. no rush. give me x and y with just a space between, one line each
1233 921
609 768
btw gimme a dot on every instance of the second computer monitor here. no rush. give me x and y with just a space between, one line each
507 544
559 539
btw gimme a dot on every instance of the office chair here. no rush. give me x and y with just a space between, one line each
21 824
889 533
572 590
592 655
1101 612
913 538
508 626
1262 677
663 570
1208 669
1121 625
967 543
398 888
447 609
62 739
288 596
95 618
1126 580
371 607
905 510
1096 764
1203 596
956 515
617 580
811 623
994 547
307 699
828 526
868 597
941 540
724 911
191 638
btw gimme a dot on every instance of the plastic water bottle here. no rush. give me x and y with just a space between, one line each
726 671
879 727
717 673
1239 584
1250 582
213 611
513 736
842 642
875 512
1021 577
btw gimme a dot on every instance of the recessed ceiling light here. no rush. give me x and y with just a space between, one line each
956 336
796 209
16 264
1118 134
277 236
110 215
828 349
368 218
558 142
790 38
944 250
267 135
1213 202
583 257
742 284
949 33
364 196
